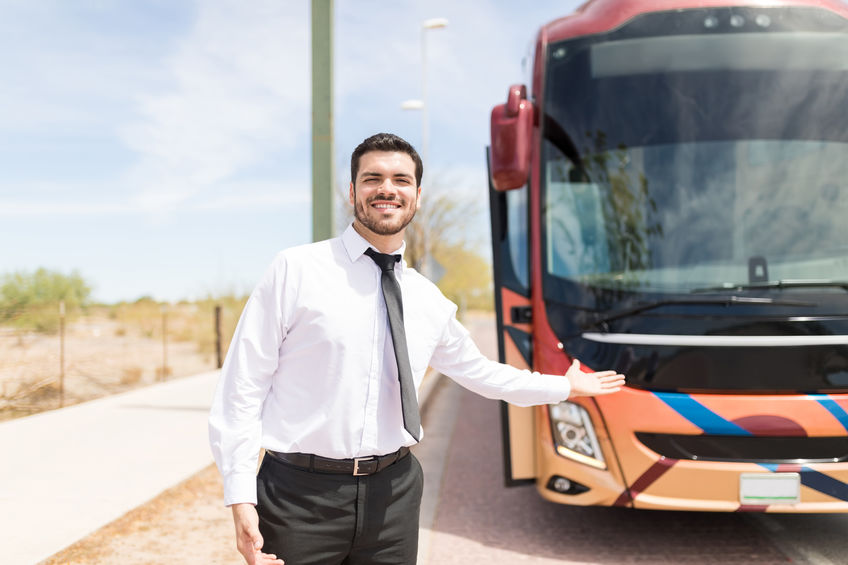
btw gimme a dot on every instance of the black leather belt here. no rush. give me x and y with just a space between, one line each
358 466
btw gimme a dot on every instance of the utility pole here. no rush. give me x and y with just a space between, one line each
323 167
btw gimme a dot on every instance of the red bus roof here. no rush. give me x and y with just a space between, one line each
597 16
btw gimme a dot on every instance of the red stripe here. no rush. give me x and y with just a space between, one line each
653 473
788 468
624 500
648 478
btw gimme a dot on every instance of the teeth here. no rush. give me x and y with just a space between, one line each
386 206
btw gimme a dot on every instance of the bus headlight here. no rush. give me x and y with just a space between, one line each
574 434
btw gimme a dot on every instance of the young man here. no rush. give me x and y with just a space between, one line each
323 372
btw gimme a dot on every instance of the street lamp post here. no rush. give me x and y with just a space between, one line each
432 23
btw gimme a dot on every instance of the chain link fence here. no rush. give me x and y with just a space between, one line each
53 356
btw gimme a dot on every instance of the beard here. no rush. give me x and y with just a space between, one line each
382 226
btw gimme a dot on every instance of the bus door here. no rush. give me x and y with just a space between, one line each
511 266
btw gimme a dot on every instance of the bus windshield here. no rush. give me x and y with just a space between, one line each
698 149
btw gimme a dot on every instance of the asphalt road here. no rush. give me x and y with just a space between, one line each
470 517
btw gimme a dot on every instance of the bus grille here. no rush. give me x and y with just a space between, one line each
748 449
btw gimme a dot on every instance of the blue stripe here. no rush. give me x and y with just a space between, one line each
700 415
824 483
817 480
834 408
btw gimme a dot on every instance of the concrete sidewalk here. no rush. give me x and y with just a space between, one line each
68 472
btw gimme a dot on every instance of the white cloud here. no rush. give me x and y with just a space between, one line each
54 200
64 71
239 93
38 208
257 195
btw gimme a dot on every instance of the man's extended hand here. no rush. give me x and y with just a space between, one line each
248 539
592 384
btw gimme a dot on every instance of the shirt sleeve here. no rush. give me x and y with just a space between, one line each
458 357
235 425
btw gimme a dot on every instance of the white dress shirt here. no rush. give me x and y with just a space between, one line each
311 367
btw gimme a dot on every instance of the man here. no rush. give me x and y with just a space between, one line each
322 373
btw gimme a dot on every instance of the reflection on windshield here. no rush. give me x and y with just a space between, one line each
600 225
674 159
681 216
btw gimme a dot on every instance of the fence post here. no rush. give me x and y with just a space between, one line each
219 359
164 341
61 353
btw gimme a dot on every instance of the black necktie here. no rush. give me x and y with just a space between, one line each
394 306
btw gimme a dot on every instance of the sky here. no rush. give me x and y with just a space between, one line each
163 147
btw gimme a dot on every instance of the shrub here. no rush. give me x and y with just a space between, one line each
31 300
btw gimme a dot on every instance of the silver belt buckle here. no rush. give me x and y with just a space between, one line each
356 462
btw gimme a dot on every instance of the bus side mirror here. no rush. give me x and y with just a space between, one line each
512 132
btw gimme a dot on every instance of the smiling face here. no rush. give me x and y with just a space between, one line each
384 197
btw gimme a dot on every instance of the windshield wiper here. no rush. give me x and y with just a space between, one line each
603 319
786 283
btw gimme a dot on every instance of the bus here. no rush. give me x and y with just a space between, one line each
669 199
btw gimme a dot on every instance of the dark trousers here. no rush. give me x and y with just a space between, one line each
311 518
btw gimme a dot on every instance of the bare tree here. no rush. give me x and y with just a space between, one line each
439 222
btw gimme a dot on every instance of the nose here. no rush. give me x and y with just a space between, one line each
388 186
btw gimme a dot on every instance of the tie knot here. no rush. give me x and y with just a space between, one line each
385 261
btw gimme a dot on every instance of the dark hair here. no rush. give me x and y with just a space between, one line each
385 142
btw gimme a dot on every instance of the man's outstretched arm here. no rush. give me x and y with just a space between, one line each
459 358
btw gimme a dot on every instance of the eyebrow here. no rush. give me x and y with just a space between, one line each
378 174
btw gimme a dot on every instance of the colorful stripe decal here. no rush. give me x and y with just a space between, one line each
712 423
700 415
623 499
813 479
647 478
834 408
824 483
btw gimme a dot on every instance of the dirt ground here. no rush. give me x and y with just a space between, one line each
101 357
185 524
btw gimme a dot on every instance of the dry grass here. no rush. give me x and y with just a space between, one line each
109 349
131 376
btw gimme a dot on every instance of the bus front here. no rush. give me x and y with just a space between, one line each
688 227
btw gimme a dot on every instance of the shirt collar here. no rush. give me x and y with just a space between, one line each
355 245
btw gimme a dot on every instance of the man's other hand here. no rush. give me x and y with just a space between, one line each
592 384
248 539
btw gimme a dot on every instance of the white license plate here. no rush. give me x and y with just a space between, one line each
769 488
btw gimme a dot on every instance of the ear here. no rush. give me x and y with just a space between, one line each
418 199
352 195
